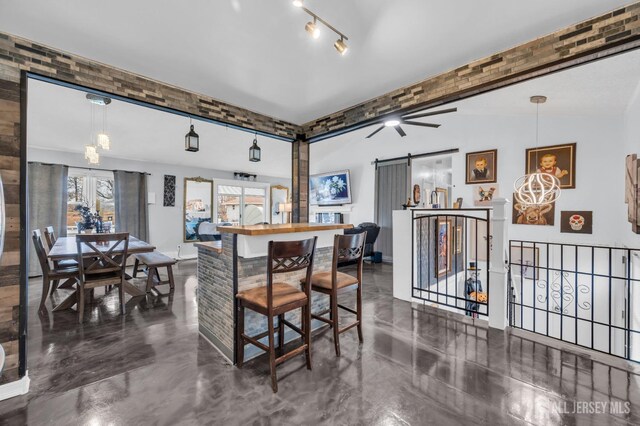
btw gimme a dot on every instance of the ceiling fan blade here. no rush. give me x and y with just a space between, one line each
400 131
427 114
417 123
376 131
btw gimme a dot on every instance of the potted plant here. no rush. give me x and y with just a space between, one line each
90 220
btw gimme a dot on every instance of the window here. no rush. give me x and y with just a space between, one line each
241 204
93 189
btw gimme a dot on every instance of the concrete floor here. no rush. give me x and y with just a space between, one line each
416 366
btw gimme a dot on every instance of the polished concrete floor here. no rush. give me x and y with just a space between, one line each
416 366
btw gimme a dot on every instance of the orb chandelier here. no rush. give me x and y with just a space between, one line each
538 188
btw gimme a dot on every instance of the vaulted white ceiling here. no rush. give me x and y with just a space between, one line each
256 54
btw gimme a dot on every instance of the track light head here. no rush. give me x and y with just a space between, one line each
298 3
341 46
313 29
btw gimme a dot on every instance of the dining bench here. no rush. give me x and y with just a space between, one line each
153 261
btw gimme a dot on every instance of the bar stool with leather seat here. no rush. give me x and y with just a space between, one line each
277 298
346 248
50 274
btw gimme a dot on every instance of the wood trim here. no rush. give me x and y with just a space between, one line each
214 246
286 228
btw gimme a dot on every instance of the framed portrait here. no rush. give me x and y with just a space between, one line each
443 247
576 222
533 215
484 194
558 160
525 260
482 167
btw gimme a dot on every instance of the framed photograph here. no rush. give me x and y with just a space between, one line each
525 260
443 249
482 167
576 222
558 160
533 215
484 194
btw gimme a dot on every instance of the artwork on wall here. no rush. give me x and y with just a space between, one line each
484 194
525 260
169 198
330 189
533 215
459 242
632 191
482 166
558 160
443 249
576 222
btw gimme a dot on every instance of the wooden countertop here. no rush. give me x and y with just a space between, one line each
211 246
281 229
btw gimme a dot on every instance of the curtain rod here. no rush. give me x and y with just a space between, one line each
411 156
87 168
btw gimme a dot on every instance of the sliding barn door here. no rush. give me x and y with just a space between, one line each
392 189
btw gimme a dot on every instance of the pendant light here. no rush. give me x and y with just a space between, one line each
538 188
101 140
254 150
191 140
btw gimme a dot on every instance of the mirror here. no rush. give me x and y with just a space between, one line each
280 204
198 203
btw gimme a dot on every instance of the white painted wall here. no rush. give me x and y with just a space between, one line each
599 174
165 223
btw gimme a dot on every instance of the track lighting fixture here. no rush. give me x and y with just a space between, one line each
314 31
341 46
312 28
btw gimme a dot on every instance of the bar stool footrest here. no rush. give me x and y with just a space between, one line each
297 351
348 327
347 309
293 327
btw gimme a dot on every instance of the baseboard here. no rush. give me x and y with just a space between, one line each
16 388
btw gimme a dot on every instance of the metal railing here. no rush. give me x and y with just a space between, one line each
447 244
580 294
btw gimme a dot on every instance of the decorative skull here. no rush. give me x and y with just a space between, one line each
576 221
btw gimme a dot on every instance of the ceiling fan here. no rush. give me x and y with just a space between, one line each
408 119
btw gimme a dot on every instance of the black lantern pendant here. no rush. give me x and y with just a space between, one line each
192 140
254 150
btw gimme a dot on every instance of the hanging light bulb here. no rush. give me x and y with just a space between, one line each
538 188
103 141
89 151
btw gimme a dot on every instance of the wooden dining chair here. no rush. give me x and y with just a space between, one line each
101 268
50 238
276 298
346 248
49 274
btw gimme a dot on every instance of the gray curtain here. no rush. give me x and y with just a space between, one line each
47 186
130 194
392 190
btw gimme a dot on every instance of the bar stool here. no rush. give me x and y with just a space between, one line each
277 298
345 248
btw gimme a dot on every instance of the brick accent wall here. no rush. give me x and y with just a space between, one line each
607 34
216 294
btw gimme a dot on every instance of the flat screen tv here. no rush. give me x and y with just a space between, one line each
330 189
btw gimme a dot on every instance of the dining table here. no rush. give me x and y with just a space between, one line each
65 248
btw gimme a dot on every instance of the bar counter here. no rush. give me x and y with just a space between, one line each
239 262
